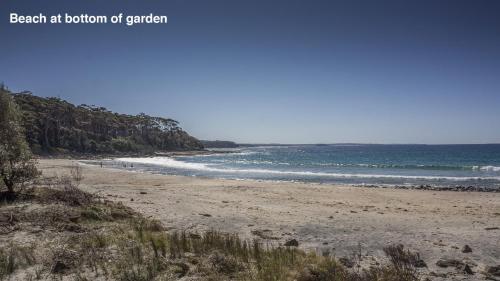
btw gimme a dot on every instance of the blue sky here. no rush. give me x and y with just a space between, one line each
274 71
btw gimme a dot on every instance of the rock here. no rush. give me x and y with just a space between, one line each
468 270
466 249
494 270
420 263
205 215
449 262
292 243
491 228
346 262
59 267
131 199
143 192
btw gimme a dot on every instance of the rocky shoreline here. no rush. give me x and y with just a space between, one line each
457 188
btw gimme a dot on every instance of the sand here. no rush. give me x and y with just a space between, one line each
340 219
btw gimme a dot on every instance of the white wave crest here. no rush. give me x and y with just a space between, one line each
164 161
173 163
490 168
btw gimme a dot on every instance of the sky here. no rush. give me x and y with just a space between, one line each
264 71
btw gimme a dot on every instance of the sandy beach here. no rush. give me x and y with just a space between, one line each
340 219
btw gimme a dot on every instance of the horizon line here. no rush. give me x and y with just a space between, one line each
351 143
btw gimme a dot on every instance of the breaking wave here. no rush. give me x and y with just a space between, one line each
177 164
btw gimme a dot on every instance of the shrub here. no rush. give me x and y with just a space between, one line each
64 191
76 173
403 262
16 163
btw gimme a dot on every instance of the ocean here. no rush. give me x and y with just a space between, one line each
353 164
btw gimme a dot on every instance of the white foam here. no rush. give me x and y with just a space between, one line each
245 153
165 161
173 163
490 168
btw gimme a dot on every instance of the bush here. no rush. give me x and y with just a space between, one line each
16 163
403 261
67 193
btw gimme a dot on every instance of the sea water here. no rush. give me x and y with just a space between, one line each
356 164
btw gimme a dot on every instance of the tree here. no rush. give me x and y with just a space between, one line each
16 162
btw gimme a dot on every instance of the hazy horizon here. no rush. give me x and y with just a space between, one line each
292 72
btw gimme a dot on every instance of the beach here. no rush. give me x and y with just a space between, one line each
335 219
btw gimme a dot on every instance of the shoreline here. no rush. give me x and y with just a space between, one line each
336 218
453 188
457 188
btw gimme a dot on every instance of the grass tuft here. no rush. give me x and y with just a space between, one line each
92 238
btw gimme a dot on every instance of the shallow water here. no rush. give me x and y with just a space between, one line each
437 165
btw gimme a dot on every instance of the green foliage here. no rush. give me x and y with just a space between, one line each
53 125
219 144
16 163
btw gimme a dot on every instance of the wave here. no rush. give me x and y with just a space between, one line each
245 153
344 165
173 163
411 166
489 168
249 162
164 161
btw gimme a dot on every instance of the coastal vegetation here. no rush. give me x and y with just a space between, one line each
55 126
16 163
219 144
55 230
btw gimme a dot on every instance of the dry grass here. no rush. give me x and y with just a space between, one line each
14 257
63 190
95 238
76 173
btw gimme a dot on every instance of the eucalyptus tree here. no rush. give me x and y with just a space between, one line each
17 164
